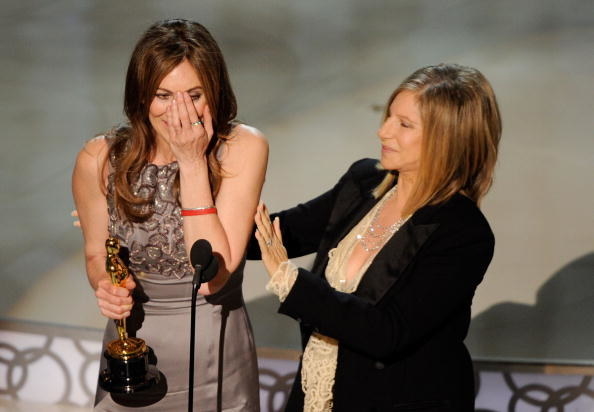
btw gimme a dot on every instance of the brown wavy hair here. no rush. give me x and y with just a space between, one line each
161 48
461 133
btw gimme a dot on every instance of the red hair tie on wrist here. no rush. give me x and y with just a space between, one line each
199 211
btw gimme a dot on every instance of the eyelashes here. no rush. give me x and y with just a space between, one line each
168 96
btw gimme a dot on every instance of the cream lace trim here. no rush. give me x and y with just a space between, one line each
319 361
282 280
317 372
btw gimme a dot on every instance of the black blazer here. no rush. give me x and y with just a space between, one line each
401 332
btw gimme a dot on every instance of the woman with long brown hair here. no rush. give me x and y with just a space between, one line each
179 170
401 247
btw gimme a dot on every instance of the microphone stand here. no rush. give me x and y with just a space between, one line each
196 281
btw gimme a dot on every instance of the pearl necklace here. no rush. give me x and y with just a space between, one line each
376 234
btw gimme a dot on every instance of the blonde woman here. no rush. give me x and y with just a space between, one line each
401 247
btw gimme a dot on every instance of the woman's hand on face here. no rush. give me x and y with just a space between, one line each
190 128
270 239
115 302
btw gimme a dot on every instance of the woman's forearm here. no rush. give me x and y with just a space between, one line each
95 266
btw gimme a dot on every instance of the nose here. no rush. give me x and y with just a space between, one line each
386 129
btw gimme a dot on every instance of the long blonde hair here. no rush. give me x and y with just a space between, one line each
162 47
461 133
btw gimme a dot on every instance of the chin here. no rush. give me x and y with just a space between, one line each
387 165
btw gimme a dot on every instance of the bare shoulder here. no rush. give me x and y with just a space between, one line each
245 143
247 136
96 147
92 156
245 149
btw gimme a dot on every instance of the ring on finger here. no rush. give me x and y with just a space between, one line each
197 123
268 242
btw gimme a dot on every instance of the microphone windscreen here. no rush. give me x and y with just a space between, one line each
211 270
201 253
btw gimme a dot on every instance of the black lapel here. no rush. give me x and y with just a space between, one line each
363 207
392 259
338 231
353 203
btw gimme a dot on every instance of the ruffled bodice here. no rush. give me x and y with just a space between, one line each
156 245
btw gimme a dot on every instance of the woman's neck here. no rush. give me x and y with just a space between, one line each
396 204
162 154
406 183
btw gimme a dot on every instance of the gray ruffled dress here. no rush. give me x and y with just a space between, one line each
225 368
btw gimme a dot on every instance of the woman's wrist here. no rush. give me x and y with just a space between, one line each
195 164
282 280
195 188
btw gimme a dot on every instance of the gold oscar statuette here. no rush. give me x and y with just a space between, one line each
128 369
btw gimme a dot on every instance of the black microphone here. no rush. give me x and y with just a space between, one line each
206 267
205 264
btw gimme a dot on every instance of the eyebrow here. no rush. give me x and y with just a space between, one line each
193 89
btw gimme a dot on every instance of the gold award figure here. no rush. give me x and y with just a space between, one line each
125 347
128 369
